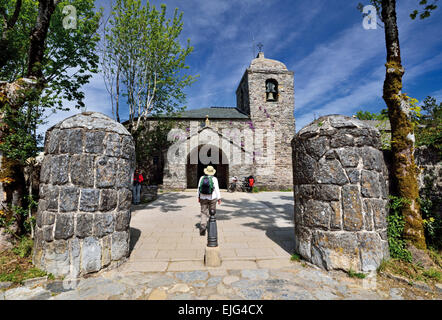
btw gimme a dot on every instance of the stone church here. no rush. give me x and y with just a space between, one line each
253 138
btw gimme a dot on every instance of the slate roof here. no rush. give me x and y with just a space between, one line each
214 113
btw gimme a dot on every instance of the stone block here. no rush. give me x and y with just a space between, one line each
327 192
353 175
370 187
339 140
106 250
103 224
106 168
120 245
94 142
48 218
75 250
352 208
59 169
212 257
64 226
122 220
48 233
336 216
39 219
42 205
91 255
316 146
317 214
51 143
56 255
303 238
84 225
82 170
69 199
331 172
332 250
89 200
123 176
306 166
127 148
372 159
71 141
108 200
124 199
371 250
368 218
52 197
378 210
45 171
112 145
349 157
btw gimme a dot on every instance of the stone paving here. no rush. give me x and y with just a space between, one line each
166 260
253 229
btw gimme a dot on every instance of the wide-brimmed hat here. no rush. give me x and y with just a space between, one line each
210 171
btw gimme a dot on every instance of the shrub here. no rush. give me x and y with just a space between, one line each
395 229
24 247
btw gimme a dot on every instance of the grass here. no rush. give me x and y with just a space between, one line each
353 274
411 271
295 257
16 265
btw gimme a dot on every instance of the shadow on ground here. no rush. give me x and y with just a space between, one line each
134 236
269 214
166 202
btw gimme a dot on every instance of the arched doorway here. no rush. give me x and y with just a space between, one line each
195 170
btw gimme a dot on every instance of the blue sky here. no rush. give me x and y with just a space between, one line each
338 65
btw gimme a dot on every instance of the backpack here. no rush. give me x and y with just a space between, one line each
206 186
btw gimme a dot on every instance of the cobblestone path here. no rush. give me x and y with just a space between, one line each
255 239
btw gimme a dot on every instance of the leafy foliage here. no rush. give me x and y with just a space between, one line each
70 54
426 10
429 132
430 205
395 229
143 50
366 115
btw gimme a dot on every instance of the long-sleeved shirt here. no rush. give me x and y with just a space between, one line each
215 194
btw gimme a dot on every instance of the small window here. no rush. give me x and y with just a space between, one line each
271 90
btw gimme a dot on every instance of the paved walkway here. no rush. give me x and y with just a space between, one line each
253 230
255 237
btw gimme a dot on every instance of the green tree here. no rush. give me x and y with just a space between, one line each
429 132
44 64
402 129
366 115
144 61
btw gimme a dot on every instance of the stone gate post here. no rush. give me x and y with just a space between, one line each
340 194
85 196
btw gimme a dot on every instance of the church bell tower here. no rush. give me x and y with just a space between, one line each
266 94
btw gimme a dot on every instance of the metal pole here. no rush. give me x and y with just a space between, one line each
212 235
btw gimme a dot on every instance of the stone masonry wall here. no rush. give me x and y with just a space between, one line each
85 196
340 194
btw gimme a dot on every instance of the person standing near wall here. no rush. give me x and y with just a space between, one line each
138 178
208 194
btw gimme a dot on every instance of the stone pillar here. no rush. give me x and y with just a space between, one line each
85 196
340 194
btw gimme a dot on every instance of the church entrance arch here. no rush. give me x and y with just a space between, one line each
207 155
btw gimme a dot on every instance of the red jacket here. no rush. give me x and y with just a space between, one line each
138 179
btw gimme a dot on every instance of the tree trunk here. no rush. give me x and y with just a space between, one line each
402 136
11 170
38 37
